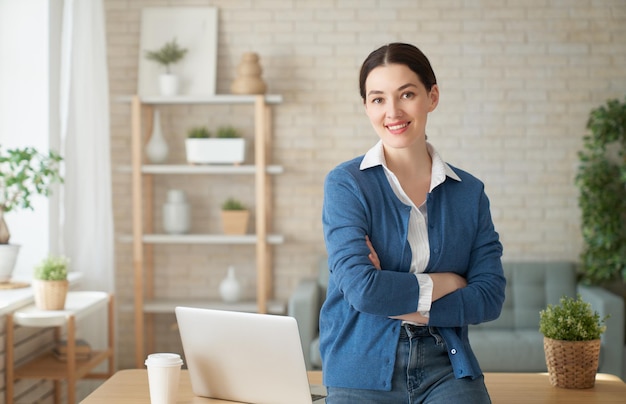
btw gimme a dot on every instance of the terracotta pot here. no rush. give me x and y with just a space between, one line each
235 221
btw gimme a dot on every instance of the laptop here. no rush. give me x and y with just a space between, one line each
246 357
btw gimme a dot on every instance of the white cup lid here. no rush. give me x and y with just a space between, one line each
164 359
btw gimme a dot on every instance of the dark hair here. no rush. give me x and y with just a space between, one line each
398 53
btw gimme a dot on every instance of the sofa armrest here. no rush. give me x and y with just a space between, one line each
304 307
607 303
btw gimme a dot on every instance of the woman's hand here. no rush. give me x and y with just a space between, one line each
445 283
372 255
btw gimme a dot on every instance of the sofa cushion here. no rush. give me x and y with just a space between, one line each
508 351
531 286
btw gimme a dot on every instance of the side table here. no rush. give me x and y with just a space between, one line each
46 366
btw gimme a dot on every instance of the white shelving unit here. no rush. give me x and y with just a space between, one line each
143 237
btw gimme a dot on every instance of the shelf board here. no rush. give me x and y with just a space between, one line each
203 99
168 305
202 239
47 366
202 169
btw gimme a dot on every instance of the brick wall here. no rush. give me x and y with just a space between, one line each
517 81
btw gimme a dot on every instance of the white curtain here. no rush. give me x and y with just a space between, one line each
87 219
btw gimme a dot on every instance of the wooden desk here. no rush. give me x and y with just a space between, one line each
131 386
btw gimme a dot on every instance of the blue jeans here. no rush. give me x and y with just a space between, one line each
422 374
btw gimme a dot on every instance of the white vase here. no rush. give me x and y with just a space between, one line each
168 84
156 149
176 217
8 257
230 289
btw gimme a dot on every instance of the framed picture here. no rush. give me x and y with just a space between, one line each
195 29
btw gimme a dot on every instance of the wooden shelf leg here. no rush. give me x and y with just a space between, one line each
9 360
71 360
111 336
57 392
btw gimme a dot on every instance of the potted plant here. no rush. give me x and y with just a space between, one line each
235 217
231 145
601 179
50 283
24 173
571 342
226 148
170 53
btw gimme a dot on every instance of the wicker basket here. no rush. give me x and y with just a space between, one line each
572 364
50 295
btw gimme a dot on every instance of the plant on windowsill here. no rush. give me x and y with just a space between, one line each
571 342
235 217
227 148
50 283
601 179
24 173
170 53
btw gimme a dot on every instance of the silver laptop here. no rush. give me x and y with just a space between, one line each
247 357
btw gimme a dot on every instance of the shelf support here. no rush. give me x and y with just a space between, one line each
260 159
137 189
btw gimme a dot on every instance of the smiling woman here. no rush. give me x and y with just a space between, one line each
413 254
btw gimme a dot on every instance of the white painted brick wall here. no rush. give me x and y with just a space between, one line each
517 79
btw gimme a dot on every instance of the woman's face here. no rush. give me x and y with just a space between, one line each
397 104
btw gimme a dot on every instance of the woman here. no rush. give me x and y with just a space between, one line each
413 254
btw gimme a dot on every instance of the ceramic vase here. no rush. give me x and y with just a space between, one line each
8 257
248 80
176 213
156 149
230 289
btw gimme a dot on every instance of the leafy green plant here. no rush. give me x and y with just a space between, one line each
52 268
167 55
601 179
25 172
571 320
233 204
227 132
198 132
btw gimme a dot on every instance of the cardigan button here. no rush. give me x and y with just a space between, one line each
453 351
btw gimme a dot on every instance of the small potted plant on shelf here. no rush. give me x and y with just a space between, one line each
24 173
235 217
170 53
228 147
50 283
571 342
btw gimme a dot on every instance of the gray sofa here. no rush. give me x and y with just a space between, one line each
512 343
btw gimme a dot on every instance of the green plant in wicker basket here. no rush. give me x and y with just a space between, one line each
233 204
52 268
571 320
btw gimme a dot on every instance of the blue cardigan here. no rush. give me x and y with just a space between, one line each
358 340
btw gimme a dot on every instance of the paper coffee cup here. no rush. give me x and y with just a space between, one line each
163 377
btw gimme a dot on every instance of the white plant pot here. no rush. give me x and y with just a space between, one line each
215 151
168 84
8 257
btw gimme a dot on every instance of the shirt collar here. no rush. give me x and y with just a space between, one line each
440 169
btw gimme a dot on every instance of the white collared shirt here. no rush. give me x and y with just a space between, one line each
418 223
